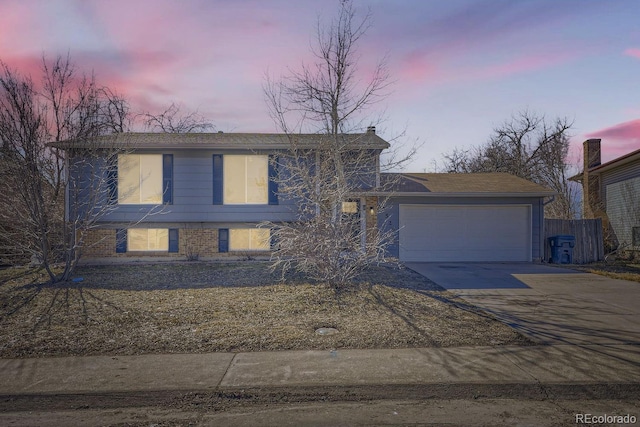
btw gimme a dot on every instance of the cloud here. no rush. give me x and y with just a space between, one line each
633 52
622 131
619 139
418 68
482 40
522 64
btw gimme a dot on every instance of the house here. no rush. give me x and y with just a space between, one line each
611 191
198 194
210 191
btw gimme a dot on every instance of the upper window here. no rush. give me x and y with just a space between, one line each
246 179
140 179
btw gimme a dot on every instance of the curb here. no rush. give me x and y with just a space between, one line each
225 397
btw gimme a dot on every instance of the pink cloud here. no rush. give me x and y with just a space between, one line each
18 27
618 140
25 65
522 64
633 52
417 67
621 131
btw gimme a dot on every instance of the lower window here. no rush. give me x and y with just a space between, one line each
249 239
147 239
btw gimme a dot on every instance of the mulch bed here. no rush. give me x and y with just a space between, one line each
232 306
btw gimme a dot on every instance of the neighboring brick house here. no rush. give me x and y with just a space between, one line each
214 189
611 191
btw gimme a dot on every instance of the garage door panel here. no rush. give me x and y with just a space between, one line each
465 233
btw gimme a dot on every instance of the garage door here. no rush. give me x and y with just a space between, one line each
465 233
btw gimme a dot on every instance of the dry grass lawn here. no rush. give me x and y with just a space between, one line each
616 270
234 306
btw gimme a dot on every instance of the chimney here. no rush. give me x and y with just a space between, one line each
591 203
591 153
371 129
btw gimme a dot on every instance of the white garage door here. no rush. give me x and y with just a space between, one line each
465 233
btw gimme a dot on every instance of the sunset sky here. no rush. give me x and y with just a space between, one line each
460 67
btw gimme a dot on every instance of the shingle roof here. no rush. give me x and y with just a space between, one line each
221 140
463 184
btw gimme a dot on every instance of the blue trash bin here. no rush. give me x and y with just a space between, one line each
562 249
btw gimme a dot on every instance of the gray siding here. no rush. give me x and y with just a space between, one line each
193 197
621 173
193 194
621 194
623 209
389 219
88 185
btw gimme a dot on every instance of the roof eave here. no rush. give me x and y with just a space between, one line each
222 146
460 194
620 161
576 178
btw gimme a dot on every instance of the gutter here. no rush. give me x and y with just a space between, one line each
214 146
449 194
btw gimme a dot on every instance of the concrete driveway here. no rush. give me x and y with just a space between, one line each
550 305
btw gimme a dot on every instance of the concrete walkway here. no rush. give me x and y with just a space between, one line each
525 366
550 305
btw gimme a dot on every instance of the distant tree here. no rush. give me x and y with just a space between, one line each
61 106
528 146
174 120
330 98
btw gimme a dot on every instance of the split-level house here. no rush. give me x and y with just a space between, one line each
205 194
611 191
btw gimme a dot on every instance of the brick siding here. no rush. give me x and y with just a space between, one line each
196 243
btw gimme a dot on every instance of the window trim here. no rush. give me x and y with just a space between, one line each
267 246
122 241
167 179
166 182
162 249
218 180
224 240
246 157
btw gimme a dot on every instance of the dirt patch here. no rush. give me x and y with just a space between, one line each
209 307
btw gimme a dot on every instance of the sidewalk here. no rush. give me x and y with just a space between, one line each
614 365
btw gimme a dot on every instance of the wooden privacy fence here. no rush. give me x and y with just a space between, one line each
588 233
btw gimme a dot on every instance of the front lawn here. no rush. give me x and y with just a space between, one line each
233 306
618 269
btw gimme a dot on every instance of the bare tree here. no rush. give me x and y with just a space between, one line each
528 146
330 179
35 120
173 120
